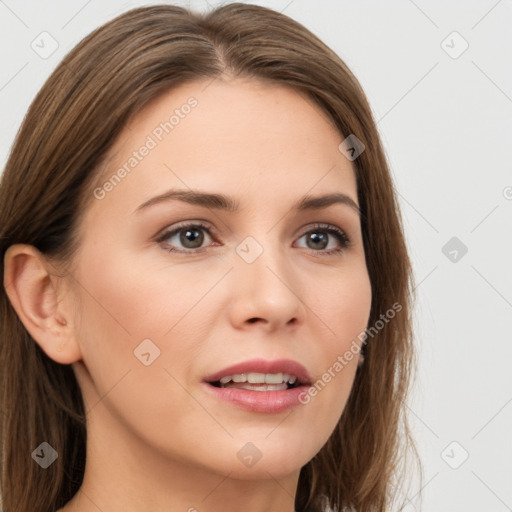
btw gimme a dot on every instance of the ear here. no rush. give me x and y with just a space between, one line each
37 294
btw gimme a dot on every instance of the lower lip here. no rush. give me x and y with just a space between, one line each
259 401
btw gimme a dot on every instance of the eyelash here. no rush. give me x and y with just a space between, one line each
342 238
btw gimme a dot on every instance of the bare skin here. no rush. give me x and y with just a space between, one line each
156 439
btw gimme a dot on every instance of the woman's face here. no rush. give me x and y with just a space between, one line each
165 304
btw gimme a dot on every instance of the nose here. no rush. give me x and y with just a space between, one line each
265 292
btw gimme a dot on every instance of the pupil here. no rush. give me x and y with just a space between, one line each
191 238
320 239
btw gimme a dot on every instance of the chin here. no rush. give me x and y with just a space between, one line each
263 470
269 458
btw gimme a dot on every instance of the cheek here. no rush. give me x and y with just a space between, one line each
122 307
344 307
138 298
124 302
343 303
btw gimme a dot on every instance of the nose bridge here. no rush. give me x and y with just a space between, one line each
264 281
258 257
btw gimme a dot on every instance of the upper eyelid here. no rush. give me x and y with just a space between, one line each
207 226
166 232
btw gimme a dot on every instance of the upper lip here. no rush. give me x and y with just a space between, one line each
263 366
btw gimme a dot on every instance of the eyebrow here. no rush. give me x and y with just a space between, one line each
228 204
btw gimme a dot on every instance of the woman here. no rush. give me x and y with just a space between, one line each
207 291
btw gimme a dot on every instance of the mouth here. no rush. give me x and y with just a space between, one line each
260 385
254 381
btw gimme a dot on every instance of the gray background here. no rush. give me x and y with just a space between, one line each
445 117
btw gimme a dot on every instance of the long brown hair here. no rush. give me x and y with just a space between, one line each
57 154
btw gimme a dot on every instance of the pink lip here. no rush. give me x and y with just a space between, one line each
261 401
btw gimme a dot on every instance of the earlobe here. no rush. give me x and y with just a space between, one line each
35 292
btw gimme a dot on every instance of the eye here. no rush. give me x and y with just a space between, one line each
325 236
190 236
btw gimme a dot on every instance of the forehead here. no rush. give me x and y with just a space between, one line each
242 137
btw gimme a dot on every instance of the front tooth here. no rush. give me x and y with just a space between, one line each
259 378
274 378
256 378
